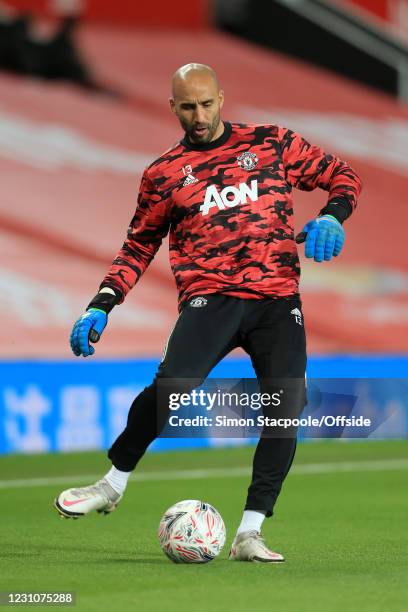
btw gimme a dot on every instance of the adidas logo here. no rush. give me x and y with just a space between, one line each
297 314
189 180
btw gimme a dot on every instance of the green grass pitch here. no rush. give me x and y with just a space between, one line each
341 521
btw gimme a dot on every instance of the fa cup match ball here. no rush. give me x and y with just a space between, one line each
191 531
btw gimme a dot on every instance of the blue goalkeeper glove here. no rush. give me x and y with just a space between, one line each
88 328
323 238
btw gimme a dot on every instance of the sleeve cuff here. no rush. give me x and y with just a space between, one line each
339 208
104 301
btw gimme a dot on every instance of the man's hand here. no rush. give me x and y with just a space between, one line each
323 238
88 328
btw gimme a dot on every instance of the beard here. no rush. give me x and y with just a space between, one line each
207 134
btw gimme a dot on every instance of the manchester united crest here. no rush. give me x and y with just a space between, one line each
198 302
247 160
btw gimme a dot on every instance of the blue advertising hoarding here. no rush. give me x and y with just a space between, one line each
68 406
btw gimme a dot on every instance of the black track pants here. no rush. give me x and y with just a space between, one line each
271 331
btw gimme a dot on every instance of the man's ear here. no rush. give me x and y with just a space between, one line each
172 105
221 97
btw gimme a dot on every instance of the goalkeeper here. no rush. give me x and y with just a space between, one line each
224 193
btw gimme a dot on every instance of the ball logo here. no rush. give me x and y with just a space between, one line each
230 196
198 302
247 161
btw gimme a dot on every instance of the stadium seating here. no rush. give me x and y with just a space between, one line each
71 162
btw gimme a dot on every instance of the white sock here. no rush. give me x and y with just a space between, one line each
251 521
117 479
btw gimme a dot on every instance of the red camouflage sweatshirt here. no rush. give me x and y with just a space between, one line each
228 206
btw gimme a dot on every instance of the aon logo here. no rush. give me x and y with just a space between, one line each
229 196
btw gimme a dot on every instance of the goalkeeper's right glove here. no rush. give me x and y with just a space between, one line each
89 327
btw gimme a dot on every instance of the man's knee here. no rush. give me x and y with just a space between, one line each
176 379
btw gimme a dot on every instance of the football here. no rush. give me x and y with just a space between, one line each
191 531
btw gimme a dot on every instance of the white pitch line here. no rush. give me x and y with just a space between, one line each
233 472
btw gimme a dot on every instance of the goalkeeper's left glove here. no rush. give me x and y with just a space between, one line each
323 238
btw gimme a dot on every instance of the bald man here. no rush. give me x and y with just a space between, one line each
224 192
